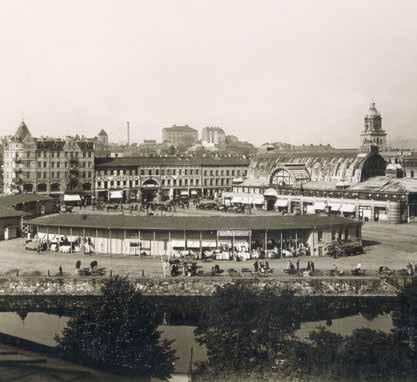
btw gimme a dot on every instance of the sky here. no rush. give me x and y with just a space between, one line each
292 71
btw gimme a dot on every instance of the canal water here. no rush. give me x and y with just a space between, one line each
42 328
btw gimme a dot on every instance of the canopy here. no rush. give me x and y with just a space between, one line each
270 192
193 192
335 206
237 180
178 243
72 198
193 243
208 243
281 203
247 198
319 206
116 195
350 208
184 193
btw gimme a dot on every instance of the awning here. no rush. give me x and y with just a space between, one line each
319 206
184 193
116 195
208 243
281 203
350 208
237 180
178 243
193 243
270 192
72 198
247 198
194 192
335 206
227 195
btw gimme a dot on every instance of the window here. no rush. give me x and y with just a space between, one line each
191 171
412 173
98 184
185 182
180 182
222 172
162 172
58 175
196 171
233 172
58 164
174 172
163 182
197 182
52 164
38 174
320 236
227 172
157 172
39 164
150 172
142 172
333 235
217 172
185 172
45 175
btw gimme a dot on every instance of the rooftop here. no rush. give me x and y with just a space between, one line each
6 212
386 184
192 223
13 200
185 128
168 161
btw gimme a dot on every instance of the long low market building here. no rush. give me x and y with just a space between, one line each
165 235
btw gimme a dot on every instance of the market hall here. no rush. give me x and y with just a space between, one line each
233 236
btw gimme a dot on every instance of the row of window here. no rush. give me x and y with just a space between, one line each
167 183
411 174
66 154
58 175
180 172
58 164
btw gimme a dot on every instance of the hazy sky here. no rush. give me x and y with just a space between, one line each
295 71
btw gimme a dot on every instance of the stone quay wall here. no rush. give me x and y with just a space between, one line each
311 286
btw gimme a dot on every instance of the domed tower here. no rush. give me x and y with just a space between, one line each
372 134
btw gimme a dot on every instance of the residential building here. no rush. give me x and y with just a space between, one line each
51 166
184 136
213 136
139 178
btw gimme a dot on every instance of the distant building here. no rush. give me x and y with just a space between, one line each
180 136
102 138
231 139
213 136
149 142
51 166
373 134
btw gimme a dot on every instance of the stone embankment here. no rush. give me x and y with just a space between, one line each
332 286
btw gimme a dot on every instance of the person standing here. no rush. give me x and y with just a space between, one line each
298 265
312 267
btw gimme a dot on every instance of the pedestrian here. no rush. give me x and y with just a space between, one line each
309 266
298 265
312 266
60 271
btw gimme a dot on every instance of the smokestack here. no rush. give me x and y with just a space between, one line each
128 133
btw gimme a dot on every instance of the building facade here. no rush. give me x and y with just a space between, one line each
51 166
184 136
168 235
213 136
140 178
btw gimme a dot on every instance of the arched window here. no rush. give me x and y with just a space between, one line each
28 187
281 177
55 187
41 187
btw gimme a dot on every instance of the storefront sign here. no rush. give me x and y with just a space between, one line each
233 232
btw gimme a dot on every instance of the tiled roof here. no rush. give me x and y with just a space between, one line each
192 223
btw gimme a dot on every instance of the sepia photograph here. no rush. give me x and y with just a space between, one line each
208 191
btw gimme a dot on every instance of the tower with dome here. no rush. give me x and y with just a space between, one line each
373 134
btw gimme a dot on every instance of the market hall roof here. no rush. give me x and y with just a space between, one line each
168 161
387 184
6 212
192 223
350 165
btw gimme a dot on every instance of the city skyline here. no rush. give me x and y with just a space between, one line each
291 72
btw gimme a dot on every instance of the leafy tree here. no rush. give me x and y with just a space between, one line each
118 332
374 354
245 328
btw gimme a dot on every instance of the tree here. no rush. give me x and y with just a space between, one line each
374 354
118 332
245 327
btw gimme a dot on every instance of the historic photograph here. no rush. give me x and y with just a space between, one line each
206 190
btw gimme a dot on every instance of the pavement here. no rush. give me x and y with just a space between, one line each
389 245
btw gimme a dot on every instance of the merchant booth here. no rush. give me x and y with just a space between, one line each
270 236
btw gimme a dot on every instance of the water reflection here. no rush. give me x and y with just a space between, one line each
41 328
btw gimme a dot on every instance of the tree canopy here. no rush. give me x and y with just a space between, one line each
118 332
245 327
